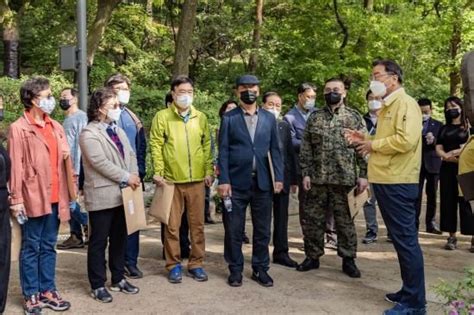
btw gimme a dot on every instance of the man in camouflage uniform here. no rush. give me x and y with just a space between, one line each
329 167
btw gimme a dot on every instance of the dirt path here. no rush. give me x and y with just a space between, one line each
323 291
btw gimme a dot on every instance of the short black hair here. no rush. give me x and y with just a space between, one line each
74 92
303 87
97 100
31 88
168 99
224 105
115 79
181 79
425 102
367 94
335 79
266 95
390 67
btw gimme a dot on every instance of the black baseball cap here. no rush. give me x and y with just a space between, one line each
247 79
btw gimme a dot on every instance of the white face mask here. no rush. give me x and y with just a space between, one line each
123 97
184 101
375 105
426 117
47 105
114 114
275 112
378 88
309 104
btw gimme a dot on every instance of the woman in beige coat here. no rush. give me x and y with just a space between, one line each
109 164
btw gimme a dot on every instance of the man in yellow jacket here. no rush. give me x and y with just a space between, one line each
394 167
180 146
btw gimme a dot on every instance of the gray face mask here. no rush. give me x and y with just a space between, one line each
47 105
309 104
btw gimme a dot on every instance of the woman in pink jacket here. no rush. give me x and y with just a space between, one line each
37 146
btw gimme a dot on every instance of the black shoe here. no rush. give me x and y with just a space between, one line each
235 279
349 268
393 297
246 239
125 287
209 220
452 243
308 264
434 230
369 238
102 295
262 278
133 272
285 260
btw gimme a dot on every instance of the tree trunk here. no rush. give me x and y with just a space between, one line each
253 60
184 41
369 5
11 50
105 9
455 45
345 31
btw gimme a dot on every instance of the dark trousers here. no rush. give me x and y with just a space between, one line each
107 226
234 223
431 189
449 197
397 205
5 243
280 223
466 216
133 249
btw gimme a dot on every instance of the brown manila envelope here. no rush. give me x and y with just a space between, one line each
16 239
134 209
356 202
71 185
161 205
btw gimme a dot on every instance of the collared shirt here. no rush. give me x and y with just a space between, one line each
251 121
47 132
303 113
387 99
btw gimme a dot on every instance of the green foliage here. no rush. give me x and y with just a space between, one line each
458 296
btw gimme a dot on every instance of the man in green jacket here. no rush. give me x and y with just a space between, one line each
181 150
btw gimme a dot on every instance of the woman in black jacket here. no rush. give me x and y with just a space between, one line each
5 231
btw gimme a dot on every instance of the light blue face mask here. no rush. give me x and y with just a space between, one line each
47 105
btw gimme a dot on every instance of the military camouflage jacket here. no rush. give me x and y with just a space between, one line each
325 155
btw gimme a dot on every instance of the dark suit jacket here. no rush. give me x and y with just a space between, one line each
288 155
297 125
236 151
430 161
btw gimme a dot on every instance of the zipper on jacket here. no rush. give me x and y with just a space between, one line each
189 152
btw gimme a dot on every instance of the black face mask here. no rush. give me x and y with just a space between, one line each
64 104
248 97
332 98
453 113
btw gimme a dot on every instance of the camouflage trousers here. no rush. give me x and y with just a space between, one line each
313 221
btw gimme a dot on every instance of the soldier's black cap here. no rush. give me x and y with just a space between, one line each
247 79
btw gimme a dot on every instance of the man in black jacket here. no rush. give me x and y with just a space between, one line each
272 103
430 166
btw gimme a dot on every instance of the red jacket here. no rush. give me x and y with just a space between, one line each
31 171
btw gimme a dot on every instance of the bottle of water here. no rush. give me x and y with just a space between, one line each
22 218
228 203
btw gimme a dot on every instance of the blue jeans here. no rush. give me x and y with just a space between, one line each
78 219
370 213
397 204
38 253
133 249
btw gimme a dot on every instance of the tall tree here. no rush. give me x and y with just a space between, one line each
253 60
184 42
105 9
10 17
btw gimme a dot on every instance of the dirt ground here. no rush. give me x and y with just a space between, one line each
323 291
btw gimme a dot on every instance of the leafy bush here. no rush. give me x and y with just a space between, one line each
459 296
